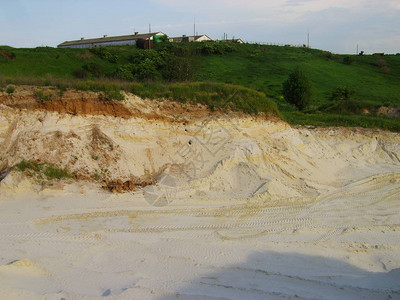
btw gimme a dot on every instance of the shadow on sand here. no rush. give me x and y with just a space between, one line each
273 275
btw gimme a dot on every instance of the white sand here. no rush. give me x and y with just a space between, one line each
256 210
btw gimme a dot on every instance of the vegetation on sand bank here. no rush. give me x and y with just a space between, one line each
38 169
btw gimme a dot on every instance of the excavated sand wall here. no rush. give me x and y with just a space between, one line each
238 157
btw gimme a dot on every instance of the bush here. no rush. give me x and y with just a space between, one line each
10 89
146 65
297 89
341 94
212 48
125 72
113 94
7 54
81 73
147 70
42 97
347 60
381 63
94 68
177 68
104 53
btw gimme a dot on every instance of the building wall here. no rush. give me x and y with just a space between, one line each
112 43
106 43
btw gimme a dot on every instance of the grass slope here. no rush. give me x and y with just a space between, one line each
374 79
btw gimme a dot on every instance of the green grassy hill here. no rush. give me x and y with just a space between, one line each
374 80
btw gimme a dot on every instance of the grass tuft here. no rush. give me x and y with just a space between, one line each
39 169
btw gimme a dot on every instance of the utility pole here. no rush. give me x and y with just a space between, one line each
194 27
308 39
357 49
149 28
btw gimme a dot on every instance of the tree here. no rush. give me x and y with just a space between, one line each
297 89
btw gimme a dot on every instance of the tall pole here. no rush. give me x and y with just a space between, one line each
308 39
194 27
149 28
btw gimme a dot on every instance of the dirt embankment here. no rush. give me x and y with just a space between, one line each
83 103
70 102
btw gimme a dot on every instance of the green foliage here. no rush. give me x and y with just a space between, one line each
214 95
104 53
146 70
346 120
10 89
43 97
341 101
81 73
125 72
348 60
297 89
383 65
258 67
39 169
28 165
177 68
7 55
146 65
53 172
113 93
345 106
207 48
95 69
3 82
343 93
152 55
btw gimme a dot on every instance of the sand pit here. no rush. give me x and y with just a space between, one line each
240 208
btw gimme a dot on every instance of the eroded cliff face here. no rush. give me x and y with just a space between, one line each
205 155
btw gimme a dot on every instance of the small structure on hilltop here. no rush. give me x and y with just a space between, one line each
144 40
191 38
238 41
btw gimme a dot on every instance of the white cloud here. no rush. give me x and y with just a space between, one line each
395 4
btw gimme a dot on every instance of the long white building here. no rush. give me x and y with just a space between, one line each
113 40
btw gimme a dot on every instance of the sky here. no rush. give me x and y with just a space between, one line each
333 25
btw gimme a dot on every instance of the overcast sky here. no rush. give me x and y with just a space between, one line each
334 25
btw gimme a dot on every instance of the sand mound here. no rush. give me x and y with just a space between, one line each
24 266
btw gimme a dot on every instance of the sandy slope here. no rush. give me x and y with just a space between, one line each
242 209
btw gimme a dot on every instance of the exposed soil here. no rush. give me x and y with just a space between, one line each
71 102
389 111
84 103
